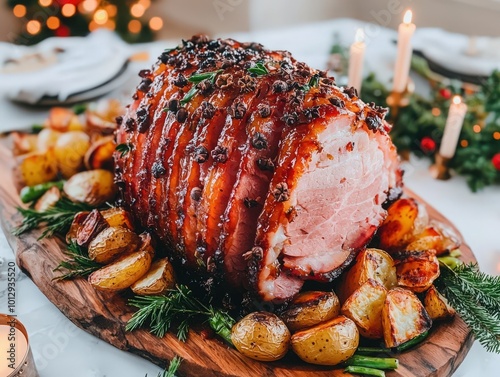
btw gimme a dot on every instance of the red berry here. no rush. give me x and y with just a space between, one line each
427 144
496 161
62 31
445 93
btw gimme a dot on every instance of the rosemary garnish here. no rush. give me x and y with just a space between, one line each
57 219
258 69
196 79
179 306
78 265
313 83
476 298
173 366
123 148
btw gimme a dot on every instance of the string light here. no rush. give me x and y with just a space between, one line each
33 27
101 17
496 135
476 128
45 3
89 5
464 143
145 3
111 9
436 111
134 26
156 23
137 10
19 11
68 10
53 22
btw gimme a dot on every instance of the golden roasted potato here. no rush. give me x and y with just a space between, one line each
93 187
416 270
101 115
70 149
122 273
100 154
47 138
92 225
364 307
371 263
112 242
118 217
23 143
437 305
261 336
310 308
48 199
451 240
36 167
405 219
63 119
403 317
76 225
328 343
159 279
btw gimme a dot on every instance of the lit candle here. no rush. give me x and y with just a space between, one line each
454 123
13 348
403 59
356 58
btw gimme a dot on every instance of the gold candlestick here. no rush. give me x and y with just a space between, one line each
440 169
396 101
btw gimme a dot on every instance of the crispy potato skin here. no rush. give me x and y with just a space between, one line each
261 336
112 242
436 237
437 306
48 199
118 217
310 308
94 187
328 343
416 270
122 273
403 317
37 167
91 226
364 307
70 149
158 280
100 154
23 143
370 264
76 225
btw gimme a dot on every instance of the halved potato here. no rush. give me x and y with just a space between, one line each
76 225
36 167
416 270
63 119
112 242
405 219
100 154
93 187
373 264
47 138
451 240
159 279
437 305
261 336
48 199
70 149
117 216
92 225
328 343
23 143
101 115
364 307
122 273
310 308
403 317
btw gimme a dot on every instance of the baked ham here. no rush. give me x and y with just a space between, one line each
253 166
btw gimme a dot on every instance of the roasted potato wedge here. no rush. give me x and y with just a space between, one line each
23 143
118 217
310 308
101 116
373 264
93 187
76 225
403 317
70 149
91 226
364 307
63 119
416 270
48 199
100 154
112 242
451 240
436 305
261 336
328 343
36 167
47 138
122 273
405 219
158 280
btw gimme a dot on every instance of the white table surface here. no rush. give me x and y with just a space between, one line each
61 349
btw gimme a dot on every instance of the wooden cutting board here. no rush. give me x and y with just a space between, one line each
105 315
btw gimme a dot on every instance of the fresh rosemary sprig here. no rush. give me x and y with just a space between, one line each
313 83
123 149
174 365
258 69
78 265
178 306
476 298
57 219
196 79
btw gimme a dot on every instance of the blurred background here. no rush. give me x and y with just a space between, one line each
29 21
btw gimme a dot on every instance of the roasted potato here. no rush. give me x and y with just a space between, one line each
118 217
100 154
101 116
23 143
112 242
122 273
371 263
436 305
451 240
310 308
48 199
416 270
70 149
76 225
36 167
63 119
261 336
93 187
158 280
47 138
403 317
364 307
92 225
405 219
328 343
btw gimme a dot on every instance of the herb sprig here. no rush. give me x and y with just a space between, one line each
123 149
196 79
178 306
313 83
78 265
259 69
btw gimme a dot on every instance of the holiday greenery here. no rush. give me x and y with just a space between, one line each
62 18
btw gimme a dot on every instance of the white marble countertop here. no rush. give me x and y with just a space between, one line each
61 349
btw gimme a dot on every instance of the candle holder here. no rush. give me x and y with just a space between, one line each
26 366
440 169
396 101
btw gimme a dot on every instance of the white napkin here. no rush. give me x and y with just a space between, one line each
84 63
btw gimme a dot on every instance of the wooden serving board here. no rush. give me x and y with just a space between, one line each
105 315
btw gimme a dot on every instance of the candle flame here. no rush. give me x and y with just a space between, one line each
360 36
407 17
457 100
